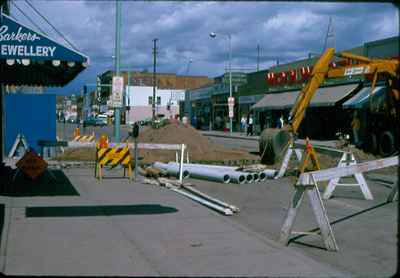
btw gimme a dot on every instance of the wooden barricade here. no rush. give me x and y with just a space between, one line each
307 183
85 138
113 157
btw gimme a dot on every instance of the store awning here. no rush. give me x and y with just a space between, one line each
324 97
362 97
33 59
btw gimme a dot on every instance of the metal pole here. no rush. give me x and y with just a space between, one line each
136 159
154 79
2 122
117 116
230 78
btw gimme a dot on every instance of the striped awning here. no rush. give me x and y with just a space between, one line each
362 97
324 97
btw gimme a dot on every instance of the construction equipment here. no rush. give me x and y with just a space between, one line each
273 142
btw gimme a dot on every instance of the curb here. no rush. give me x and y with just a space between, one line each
231 136
69 164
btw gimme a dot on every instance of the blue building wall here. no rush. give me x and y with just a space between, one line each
32 115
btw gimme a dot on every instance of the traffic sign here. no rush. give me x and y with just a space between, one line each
231 101
32 165
230 111
117 90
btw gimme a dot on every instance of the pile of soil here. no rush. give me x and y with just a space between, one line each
200 148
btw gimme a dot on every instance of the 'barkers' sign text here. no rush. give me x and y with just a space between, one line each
20 42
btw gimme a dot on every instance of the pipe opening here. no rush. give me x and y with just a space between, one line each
262 176
185 174
226 179
249 178
256 177
242 179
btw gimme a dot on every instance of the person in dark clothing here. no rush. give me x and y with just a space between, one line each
250 123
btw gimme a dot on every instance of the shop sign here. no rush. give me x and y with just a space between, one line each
20 42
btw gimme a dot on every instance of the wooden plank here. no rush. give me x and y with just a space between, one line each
322 219
331 173
291 214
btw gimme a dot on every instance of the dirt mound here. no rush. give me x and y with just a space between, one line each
200 148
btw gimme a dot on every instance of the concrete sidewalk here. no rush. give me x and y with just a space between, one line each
243 136
119 228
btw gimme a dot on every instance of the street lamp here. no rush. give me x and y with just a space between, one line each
213 35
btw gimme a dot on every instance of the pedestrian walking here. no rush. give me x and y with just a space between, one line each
280 122
243 124
250 125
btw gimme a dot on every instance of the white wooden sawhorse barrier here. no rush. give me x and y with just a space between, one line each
346 159
307 183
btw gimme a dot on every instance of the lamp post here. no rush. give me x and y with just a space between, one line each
213 35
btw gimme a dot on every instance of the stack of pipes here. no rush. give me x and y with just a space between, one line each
217 173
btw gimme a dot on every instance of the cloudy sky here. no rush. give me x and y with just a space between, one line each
285 31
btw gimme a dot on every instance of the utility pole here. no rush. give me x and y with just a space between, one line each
154 78
330 40
258 57
117 113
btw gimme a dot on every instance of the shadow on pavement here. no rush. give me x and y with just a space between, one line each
79 211
51 183
2 216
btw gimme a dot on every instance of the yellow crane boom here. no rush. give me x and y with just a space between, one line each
273 143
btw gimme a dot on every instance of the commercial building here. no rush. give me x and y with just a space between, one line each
139 99
207 106
165 81
331 109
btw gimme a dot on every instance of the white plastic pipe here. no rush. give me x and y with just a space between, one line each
224 210
270 173
235 176
249 178
203 195
171 169
262 176
205 173
256 177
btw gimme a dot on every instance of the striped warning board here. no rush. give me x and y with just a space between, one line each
85 138
113 157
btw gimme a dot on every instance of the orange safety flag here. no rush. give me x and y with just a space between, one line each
103 142
77 132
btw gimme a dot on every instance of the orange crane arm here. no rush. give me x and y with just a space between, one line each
318 74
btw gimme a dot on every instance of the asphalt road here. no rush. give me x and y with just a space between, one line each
66 131
367 241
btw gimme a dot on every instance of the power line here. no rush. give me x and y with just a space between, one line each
52 26
30 19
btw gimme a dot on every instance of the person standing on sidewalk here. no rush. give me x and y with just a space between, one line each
243 124
250 125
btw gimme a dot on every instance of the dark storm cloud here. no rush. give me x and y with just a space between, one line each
284 31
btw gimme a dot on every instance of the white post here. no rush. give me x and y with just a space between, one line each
181 165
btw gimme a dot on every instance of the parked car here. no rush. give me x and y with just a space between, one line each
94 121
72 119
101 121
